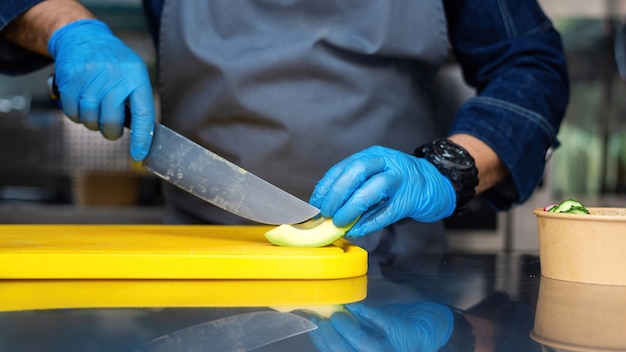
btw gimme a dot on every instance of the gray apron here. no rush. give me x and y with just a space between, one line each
288 88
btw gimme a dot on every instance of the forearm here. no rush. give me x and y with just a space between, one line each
512 55
491 169
33 29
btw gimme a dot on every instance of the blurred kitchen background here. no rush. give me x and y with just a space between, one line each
55 171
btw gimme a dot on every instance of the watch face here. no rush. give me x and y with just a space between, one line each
451 156
455 163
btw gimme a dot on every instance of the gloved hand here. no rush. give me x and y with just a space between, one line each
423 326
96 74
381 186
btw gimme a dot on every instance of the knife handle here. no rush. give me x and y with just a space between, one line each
53 92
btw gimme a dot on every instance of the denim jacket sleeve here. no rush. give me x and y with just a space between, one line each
510 52
11 9
14 59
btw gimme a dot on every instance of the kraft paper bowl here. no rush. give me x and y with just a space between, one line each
573 316
586 248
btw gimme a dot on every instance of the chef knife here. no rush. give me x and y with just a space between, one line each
242 332
216 180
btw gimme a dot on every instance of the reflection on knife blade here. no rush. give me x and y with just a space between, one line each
242 332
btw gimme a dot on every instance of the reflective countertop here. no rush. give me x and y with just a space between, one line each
510 306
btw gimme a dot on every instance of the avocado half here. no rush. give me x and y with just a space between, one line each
317 232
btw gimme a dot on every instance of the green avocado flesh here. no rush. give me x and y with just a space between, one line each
317 232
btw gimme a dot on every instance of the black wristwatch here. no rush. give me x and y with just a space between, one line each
454 162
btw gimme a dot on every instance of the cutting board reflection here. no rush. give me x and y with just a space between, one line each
283 295
166 252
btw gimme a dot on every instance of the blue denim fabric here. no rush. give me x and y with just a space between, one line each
512 55
10 9
510 52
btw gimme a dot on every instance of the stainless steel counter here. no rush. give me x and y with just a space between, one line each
498 293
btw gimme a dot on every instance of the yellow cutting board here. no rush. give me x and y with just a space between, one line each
166 252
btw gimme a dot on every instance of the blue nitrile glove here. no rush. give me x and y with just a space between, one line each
96 74
381 186
423 326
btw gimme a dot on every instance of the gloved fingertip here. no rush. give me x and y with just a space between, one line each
140 144
340 221
138 154
139 148
345 216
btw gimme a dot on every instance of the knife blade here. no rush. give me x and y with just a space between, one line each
242 332
212 178
208 176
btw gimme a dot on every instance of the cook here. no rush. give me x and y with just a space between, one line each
328 100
